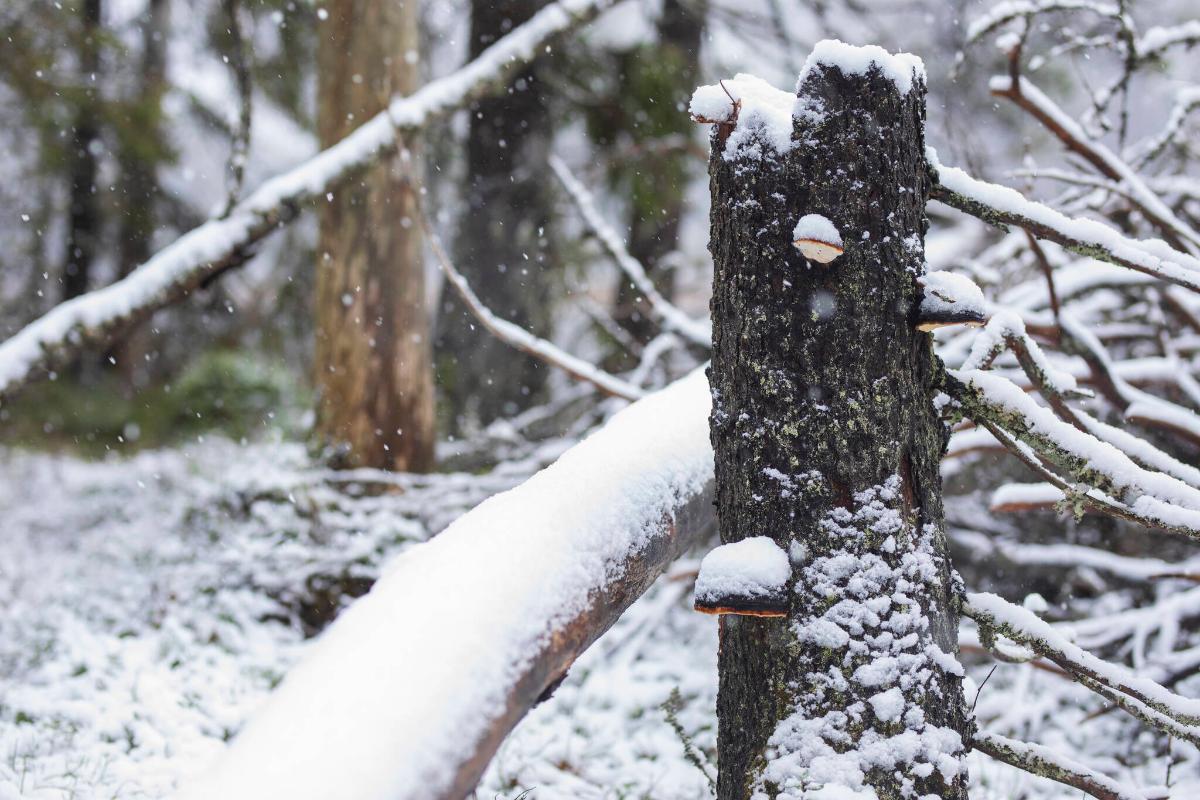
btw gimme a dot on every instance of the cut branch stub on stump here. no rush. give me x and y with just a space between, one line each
825 435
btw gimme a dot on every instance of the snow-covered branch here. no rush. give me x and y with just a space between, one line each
1112 480
1002 206
516 336
1153 703
1033 101
409 693
220 244
695 331
1039 760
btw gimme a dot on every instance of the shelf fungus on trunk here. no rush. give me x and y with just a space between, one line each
817 238
948 298
748 578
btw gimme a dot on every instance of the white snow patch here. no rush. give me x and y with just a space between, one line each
900 68
889 705
753 567
817 228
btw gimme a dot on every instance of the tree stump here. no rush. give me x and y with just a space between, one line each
827 439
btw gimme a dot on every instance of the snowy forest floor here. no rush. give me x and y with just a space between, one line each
148 604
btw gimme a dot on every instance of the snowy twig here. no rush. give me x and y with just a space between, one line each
1154 704
695 331
1033 101
516 336
1039 760
1003 206
1133 492
219 244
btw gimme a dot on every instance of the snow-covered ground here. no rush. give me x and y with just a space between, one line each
147 606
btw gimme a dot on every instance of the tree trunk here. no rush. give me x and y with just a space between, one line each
503 246
142 150
827 440
373 357
83 225
659 180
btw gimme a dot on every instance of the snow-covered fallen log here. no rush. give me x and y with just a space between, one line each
410 692
219 244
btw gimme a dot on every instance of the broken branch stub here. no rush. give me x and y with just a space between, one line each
948 298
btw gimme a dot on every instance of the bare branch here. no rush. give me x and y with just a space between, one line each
695 331
518 337
241 137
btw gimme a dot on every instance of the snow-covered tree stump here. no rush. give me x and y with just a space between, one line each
827 439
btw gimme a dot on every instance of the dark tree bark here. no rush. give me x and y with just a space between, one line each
827 440
83 223
503 246
660 180
141 151
373 358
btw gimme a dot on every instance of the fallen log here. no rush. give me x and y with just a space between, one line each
411 691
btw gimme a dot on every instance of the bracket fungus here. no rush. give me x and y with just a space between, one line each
817 238
948 298
748 578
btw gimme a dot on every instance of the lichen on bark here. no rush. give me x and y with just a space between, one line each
827 440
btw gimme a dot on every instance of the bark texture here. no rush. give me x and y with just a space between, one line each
373 354
503 246
84 221
140 154
827 440
658 181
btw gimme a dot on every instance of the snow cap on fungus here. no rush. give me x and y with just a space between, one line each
747 578
817 238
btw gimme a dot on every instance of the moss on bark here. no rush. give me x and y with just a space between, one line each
823 426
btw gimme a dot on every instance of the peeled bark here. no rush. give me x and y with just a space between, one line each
827 440
373 356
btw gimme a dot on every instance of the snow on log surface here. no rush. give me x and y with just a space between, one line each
219 244
412 689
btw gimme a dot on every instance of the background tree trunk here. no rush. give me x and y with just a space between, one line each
373 358
659 180
83 221
827 440
141 151
503 247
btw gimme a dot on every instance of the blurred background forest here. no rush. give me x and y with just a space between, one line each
121 120
185 506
